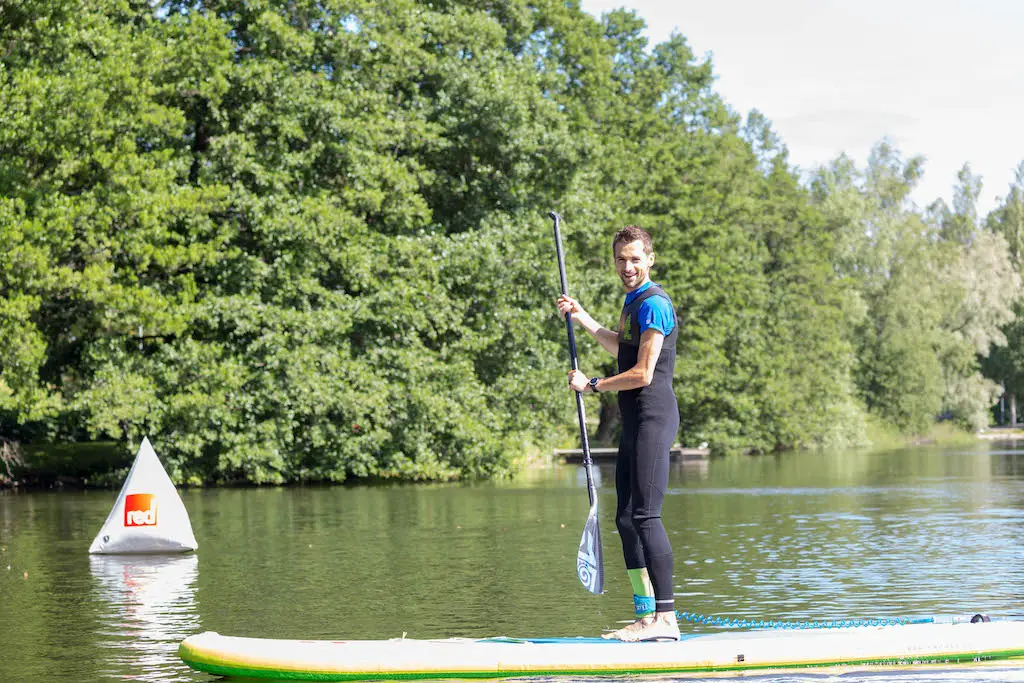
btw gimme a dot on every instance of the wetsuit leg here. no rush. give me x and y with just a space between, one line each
632 550
649 478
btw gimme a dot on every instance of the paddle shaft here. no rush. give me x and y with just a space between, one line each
580 412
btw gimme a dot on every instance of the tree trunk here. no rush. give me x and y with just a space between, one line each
1013 409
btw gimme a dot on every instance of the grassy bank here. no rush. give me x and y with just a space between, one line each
884 436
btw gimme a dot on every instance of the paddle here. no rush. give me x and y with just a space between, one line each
589 558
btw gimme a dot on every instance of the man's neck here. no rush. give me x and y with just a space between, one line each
639 286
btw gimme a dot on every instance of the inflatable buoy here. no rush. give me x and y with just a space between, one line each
148 516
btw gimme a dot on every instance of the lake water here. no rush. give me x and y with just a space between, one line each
797 536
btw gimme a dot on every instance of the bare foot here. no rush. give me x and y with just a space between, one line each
622 634
662 626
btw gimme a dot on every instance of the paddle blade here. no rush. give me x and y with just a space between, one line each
589 558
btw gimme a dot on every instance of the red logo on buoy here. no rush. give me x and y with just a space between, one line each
140 509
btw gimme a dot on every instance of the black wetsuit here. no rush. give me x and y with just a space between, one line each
650 420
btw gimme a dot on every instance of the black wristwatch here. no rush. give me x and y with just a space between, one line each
593 384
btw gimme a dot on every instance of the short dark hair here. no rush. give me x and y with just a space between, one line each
632 233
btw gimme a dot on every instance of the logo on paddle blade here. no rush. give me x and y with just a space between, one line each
586 562
140 509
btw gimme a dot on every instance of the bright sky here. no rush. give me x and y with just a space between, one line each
939 78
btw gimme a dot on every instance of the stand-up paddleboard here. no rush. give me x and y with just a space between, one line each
148 516
913 645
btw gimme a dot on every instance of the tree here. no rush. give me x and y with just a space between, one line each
885 255
1005 364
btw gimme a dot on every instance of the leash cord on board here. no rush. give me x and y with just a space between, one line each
727 622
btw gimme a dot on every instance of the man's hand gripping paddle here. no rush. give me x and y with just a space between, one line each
589 558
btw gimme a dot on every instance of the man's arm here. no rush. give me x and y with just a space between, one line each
641 374
605 337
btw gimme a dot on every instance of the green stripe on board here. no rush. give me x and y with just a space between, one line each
931 660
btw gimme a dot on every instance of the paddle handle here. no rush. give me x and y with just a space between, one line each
580 412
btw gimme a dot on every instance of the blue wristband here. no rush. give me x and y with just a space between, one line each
643 605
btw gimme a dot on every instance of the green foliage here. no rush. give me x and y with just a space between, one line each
305 241
291 239
1005 363
936 288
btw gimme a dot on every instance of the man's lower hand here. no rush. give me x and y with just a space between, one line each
578 381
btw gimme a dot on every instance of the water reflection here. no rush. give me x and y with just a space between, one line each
152 607
693 469
581 476
1008 464
680 469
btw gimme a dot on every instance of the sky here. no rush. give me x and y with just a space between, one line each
943 79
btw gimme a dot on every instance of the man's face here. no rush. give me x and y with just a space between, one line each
632 264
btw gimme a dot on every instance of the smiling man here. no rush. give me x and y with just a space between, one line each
645 346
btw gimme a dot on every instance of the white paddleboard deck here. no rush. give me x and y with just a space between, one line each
913 645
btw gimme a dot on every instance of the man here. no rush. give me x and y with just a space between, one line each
645 346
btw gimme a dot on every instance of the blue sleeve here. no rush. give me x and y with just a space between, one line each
656 313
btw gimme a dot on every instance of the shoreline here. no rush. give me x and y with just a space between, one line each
1015 433
103 465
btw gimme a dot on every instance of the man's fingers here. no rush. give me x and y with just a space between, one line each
567 304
